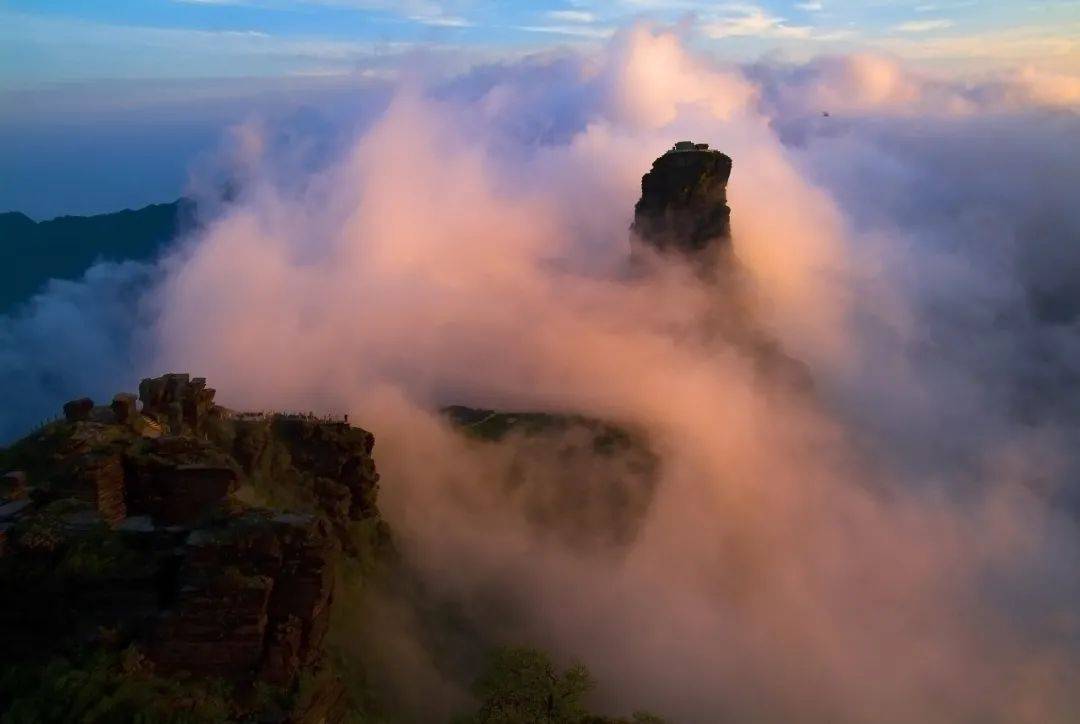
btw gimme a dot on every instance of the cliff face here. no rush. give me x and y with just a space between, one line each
683 206
181 554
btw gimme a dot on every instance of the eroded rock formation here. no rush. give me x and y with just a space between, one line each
134 538
683 206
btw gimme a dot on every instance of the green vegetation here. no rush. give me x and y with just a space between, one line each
522 686
97 555
107 688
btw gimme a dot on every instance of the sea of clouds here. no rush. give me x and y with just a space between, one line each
897 544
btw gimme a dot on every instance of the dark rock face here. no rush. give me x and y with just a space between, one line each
124 408
129 544
254 597
683 206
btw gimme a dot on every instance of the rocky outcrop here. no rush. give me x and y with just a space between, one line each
178 480
177 400
119 542
683 206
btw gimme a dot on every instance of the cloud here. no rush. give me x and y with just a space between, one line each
73 339
749 20
864 83
649 77
584 31
443 21
1046 48
923 26
1038 87
898 544
572 16
856 83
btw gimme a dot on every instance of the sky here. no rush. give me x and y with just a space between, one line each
106 105
67 40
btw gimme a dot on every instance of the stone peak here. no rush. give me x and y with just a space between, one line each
683 205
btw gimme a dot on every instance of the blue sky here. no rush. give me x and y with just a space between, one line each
48 41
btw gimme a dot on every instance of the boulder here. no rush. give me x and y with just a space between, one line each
78 410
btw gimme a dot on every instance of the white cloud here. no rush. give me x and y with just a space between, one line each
923 26
750 20
810 6
572 16
583 31
442 21
1052 49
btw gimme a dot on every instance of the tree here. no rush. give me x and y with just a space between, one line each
522 686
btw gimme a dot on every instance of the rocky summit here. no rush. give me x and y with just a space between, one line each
683 206
173 560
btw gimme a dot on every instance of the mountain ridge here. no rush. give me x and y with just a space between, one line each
33 252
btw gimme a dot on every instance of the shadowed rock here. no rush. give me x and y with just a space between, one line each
79 409
683 207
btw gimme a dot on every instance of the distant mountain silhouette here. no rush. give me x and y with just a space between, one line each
32 252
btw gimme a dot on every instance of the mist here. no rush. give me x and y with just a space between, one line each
898 543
